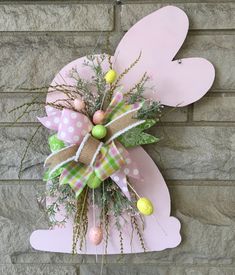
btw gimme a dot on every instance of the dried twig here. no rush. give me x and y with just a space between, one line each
26 150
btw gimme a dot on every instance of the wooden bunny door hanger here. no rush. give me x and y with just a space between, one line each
158 37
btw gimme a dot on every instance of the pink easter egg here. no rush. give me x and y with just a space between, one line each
78 104
96 235
98 117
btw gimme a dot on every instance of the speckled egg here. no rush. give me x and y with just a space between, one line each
98 117
79 104
96 235
145 206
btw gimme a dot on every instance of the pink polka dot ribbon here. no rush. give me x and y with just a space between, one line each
130 169
70 125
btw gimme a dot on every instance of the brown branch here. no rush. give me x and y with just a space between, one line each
26 150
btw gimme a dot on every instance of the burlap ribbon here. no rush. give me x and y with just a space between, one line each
89 148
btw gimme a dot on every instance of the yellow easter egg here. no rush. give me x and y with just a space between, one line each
145 206
110 76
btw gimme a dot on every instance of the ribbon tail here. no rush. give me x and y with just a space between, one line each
131 168
77 176
120 179
108 162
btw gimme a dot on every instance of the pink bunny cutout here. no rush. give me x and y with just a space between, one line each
158 37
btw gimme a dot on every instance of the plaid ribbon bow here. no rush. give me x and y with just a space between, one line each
112 160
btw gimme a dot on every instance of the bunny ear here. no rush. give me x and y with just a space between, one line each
158 37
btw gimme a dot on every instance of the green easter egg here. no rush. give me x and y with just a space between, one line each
99 131
94 181
110 76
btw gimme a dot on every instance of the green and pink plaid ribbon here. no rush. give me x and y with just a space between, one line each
77 175
118 107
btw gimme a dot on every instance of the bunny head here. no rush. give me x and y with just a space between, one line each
156 39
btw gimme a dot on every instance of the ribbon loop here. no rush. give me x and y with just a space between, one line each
121 124
59 158
85 153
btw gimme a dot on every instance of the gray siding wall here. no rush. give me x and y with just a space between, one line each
196 157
